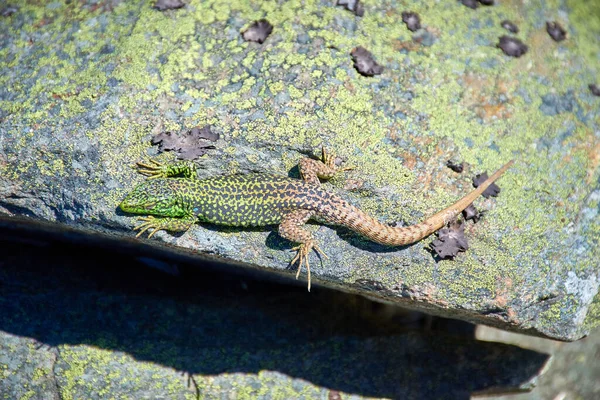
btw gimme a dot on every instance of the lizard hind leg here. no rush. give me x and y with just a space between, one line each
292 228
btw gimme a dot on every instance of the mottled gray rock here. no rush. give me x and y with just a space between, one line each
84 92
101 324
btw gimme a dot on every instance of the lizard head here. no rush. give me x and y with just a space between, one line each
153 197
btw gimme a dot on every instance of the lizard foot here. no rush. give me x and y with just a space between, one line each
148 222
302 257
328 158
152 169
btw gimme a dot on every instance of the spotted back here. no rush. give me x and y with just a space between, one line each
247 200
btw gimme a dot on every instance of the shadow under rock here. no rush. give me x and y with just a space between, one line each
208 321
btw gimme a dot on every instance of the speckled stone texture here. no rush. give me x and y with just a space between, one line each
85 85
103 325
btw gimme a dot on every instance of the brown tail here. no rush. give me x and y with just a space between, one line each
369 227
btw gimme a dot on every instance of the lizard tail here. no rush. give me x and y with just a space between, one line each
369 227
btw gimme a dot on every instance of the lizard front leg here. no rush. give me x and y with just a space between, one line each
154 169
292 228
311 170
166 223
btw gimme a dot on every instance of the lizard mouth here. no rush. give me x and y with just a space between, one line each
135 207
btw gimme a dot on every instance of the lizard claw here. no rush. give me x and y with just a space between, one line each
328 158
152 169
148 222
302 257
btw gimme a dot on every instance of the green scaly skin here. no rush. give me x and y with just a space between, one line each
174 204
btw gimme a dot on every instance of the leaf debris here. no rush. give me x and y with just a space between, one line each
512 46
258 31
355 6
364 62
412 20
190 145
556 31
162 5
456 167
491 190
509 26
472 213
450 241
470 3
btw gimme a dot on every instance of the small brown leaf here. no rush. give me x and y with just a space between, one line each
512 46
258 31
450 240
412 20
470 3
491 190
189 145
364 62
471 213
456 167
556 31
162 5
509 26
355 6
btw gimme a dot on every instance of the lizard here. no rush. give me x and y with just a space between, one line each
173 198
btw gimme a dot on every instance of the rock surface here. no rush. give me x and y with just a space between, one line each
84 86
84 318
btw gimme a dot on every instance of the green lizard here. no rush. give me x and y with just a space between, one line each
263 199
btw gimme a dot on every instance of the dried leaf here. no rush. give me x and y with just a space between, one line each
556 31
456 167
258 31
364 62
450 240
189 145
355 6
491 190
162 5
470 3
471 213
412 20
512 46
509 26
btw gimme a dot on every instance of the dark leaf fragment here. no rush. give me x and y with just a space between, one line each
412 20
556 31
258 31
456 167
595 89
189 145
491 190
450 240
8 11
204 133
509 26
512 46
353 5
470 3
364 62
472 213
487 2
162 5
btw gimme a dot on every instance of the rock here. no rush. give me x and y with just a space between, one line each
75 117
84 317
